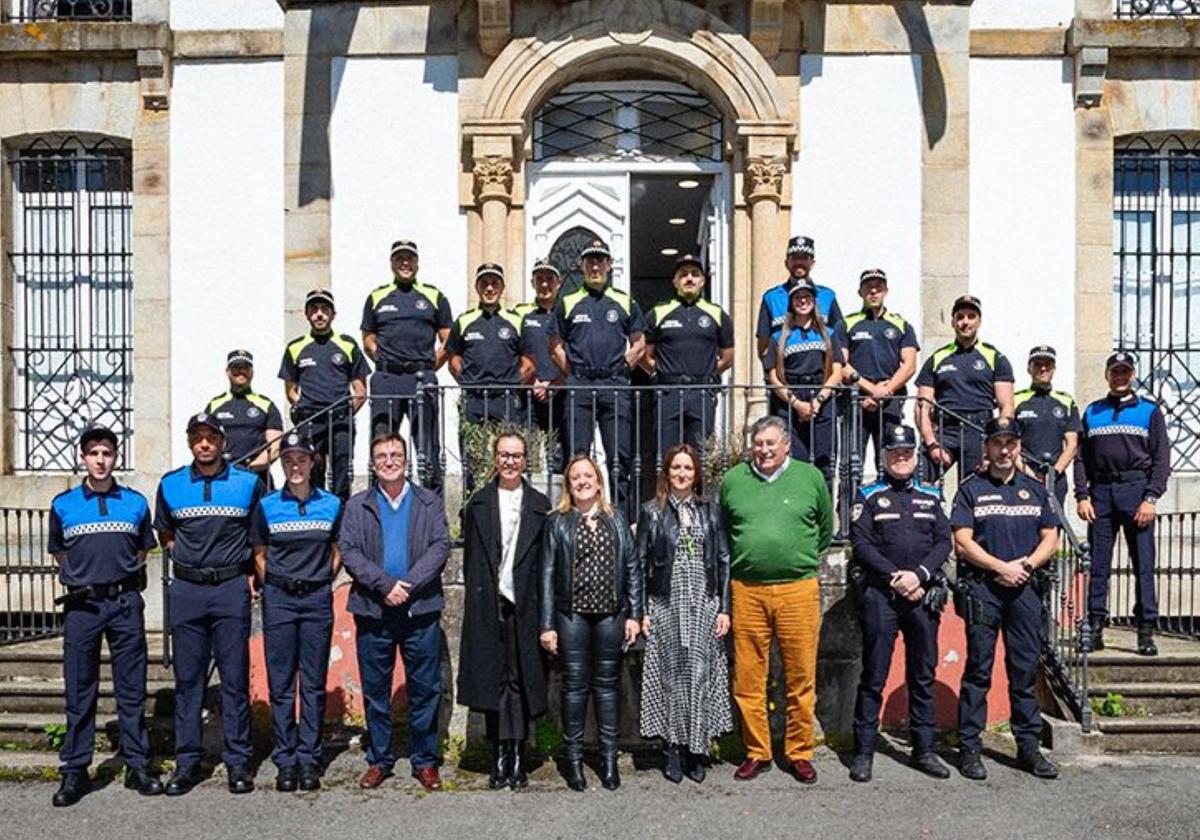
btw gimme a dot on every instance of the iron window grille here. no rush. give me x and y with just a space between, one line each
653 121
1156 279
97 10
1156 8
72 270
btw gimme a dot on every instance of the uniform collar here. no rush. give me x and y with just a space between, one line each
244 394
998 483
325 336
537 307
958 348
404 287
196 475
870 313
899 484
314 494
1041 389
1128 399
679 299
114 491
596 293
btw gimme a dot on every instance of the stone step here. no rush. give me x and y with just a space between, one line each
43 660
28 729
47 696
1157 733
1153 698
1120 667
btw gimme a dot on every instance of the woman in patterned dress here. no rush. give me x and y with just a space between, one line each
685 557
591 609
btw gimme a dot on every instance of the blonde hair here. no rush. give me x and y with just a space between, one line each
789 324
567 503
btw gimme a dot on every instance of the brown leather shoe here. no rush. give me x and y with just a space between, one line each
374 777
804 772
428 777
750 769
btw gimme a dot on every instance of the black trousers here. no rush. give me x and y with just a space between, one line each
547 415
685 415
881 614
478 408
510 720
875 426
1115 505
607 407
332 435
964 444
394 397
812 441
589 647
296 634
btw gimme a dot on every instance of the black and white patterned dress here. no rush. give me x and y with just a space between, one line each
685 679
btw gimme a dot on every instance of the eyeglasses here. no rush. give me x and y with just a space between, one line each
388 458
510 456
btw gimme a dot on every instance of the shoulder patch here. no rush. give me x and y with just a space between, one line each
872 489
297 345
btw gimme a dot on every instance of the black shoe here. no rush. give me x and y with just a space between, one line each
141 780
1037 764
286 780
181 781
71 789
610 777
970 765
517 777
929 764
860 767
575 778
1146 646
240 780
672 770
1097 637
499 776
310 778
694 767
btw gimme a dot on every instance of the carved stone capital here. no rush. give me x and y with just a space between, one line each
765 178
495 26
493 177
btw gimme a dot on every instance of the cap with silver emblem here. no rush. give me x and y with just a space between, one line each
1043 351
318 296
1122 358
901 437
597 248
239 357
967 302
689 259
1001 426
206 420
489 269
801 245
873 274
404 246
802 285
544 264
295 441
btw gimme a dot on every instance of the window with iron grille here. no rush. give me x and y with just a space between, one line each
642 121
1156 8
1156 279
99 10
71 266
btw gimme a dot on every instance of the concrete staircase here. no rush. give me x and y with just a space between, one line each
1159 695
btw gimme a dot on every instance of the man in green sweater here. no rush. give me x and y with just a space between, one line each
780 522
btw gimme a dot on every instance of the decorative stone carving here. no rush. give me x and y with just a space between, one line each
493 177
766 26
495 26
765 178
153 72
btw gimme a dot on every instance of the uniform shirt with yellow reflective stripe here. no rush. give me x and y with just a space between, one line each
1045 416
323 366
490 346
873 343
537 326
688 336
406 319
965 379
595 327
246 417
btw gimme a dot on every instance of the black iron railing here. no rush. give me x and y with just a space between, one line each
1176 577
81 10
1156 8
29 580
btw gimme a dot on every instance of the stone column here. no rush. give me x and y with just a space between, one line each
1093 250
764 175
493 187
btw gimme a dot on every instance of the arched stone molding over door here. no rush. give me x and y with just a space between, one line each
668 39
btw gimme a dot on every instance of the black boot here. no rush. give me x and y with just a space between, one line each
860 767
672 770
575 778
71 789
182 781
1097 635
1146 646
143 781
499 776
286 780
610 777
517 777
694 766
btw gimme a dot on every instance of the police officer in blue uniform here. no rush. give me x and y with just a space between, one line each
294 532
1049 419
251 421
901 540
969 379
325 380
1004 532
405 325
485 351
99 534
689 341
772 311
538 326
881 357
202 515
1121 472
600 338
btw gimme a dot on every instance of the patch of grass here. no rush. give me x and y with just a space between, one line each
28 774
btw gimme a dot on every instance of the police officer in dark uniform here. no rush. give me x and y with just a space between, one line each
1004 531
600 338
405 325
772 311
250 420
538 326
99 534
294 532
1122 470
881 354
968 378
325 379
901 539
485 351
202 516
1049 420
689 341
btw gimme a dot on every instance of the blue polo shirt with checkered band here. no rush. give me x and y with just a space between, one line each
99 534
209 515
804 355
299 534
772 312
406 318
1006 516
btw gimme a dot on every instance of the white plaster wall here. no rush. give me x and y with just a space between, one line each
1023 207
226 14
856 184
226 230
1021 14
395 161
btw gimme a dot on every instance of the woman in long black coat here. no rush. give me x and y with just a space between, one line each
501 671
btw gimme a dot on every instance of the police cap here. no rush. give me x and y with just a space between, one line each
967 302
544 264
801 245
492 269
690 259
206 420
402 245
315 296
94 433
596 248
872 274
802 285
1001 426
296 441
901 437
1043 351
1122 358
239 357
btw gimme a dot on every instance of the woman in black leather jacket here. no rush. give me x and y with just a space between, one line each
591 609
684 554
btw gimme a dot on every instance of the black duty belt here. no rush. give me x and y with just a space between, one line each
958 418
1120 475
683 379
594 374
806 379
135 582
208 576
292 586
403 367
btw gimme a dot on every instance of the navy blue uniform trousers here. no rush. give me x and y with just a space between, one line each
420 642
608 407
685 415
120 620
1115 505
394 397
211 622
881 616
296 635
1018 610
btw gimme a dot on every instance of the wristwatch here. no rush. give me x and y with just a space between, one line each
1027 566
